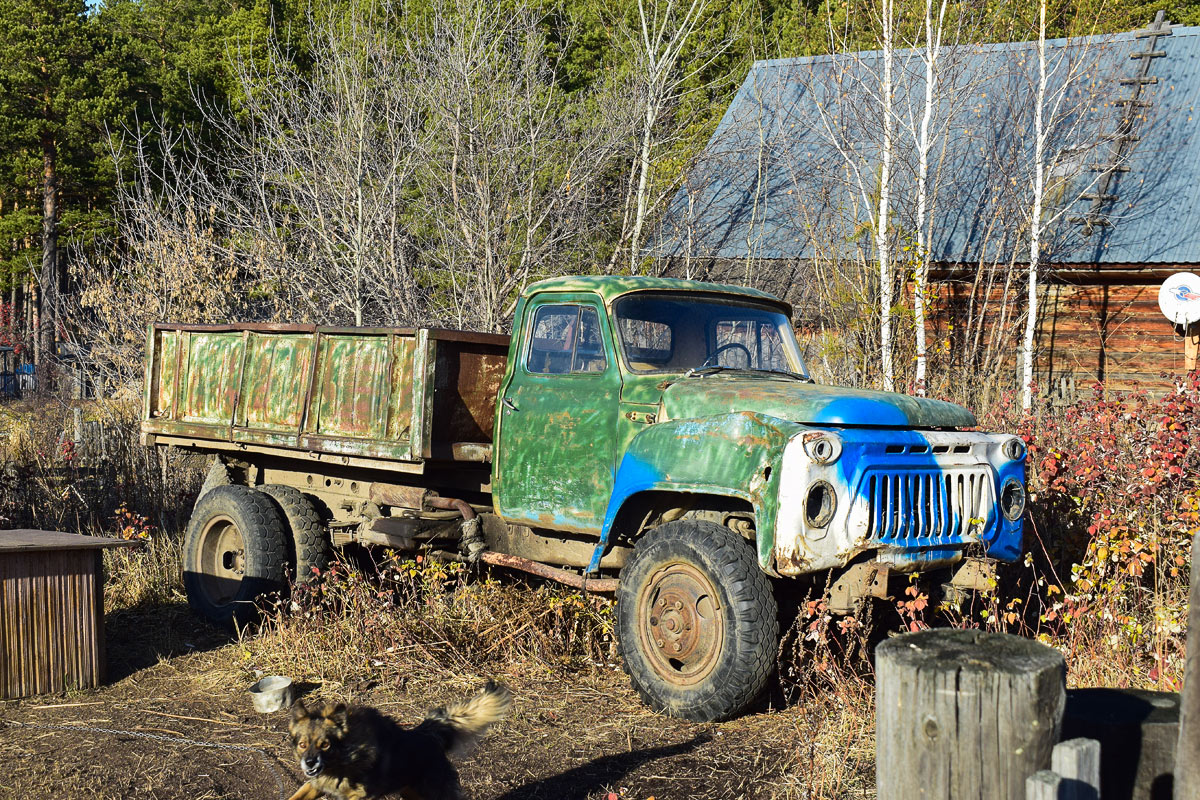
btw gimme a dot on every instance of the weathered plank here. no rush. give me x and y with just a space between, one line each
965 714
1187 753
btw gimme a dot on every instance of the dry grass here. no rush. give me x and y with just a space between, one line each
146 576
405 634
350 626
51 481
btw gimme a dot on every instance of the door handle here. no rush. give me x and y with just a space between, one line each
509 404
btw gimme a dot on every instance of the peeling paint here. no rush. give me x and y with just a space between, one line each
721 455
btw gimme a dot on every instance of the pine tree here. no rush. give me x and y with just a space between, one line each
46 99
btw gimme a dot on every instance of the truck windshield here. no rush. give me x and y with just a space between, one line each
676 333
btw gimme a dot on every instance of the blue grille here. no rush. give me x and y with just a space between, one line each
924 507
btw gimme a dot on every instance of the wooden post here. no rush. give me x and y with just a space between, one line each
1191 346
964 714
1187 751
1044 784
1078 762
1075 774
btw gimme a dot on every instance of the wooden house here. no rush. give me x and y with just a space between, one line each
785 193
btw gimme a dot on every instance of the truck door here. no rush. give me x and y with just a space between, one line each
558 415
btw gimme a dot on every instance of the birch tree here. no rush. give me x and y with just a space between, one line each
883 244
512 185
1066 139
930 57
1035 220
859 101
656 46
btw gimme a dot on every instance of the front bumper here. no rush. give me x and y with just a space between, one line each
918 499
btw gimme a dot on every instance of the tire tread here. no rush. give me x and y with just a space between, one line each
310 546
263 535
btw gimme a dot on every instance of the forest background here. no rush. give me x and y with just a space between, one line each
375 161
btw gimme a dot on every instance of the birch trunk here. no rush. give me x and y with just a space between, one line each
664 32
933 41
639 219
1035 225
882 241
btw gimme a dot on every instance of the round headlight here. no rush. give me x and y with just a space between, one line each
1012 499
823 448
819 504
1014 449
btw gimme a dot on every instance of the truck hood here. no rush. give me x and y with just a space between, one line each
808 403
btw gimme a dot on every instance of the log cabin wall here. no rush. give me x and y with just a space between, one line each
1097 324
1093 327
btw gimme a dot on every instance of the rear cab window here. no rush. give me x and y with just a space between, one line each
565 340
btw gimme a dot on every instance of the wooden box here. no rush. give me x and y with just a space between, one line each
51 611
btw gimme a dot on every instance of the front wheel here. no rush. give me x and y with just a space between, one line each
234 552
696 621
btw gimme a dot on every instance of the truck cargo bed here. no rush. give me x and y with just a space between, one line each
399 394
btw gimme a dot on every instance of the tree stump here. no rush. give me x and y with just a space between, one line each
966 715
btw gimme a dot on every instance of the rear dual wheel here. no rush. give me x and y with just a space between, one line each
697 622
310 551
235 551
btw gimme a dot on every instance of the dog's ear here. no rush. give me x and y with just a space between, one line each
299 711
335 713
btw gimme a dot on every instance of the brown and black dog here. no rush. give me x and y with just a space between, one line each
358 753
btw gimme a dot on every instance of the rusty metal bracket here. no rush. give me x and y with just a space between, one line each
859 581
391 532
977 574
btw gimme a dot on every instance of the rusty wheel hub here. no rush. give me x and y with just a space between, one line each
681 627
222 560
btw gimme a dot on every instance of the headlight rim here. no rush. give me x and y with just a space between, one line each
815 444
828 509
1012 484
1014 449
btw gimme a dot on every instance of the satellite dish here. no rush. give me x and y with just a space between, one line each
1179 298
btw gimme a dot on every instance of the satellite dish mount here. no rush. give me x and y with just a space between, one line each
1179 299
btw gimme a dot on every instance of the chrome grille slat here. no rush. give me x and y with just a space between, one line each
922 507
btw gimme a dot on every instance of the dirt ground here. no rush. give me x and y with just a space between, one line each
175 722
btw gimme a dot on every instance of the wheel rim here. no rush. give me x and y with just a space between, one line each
222 560
680 625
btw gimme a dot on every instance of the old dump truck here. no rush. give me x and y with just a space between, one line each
657 438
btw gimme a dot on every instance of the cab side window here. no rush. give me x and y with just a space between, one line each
566 339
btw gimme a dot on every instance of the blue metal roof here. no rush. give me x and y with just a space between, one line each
777 179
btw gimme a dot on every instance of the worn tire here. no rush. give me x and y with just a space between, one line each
235 551
309 544
696 585
217 475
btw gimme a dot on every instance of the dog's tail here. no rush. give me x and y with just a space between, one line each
459 724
